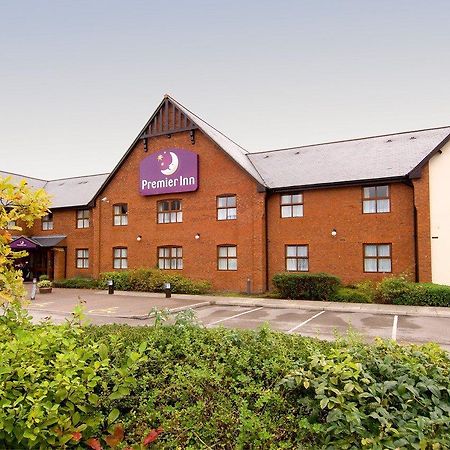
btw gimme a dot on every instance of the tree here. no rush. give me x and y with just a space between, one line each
20 204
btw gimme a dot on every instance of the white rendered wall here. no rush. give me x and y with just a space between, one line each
440 216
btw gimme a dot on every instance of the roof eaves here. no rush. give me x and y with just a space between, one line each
417 170
359 182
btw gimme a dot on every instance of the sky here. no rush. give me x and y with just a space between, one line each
79 79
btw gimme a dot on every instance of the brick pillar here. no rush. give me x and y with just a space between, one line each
422 204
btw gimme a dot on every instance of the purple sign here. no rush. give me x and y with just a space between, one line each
22 243
169 171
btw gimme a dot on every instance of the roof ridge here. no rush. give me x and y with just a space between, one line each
348 140
22 175
79 176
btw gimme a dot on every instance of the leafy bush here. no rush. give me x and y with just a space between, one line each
52 380
306 286
400 291
43 277
152 280
76 283
351 295
383 396
216 388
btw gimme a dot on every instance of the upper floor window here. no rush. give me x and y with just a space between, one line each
47 222
377 258
297 258
226 207
227 257
291 205
120 258
376 199
121 214
82 261
169 211
83 218
170 257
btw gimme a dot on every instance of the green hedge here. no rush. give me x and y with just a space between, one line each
152 280
400 291
76 283
351 295
306 286
217 388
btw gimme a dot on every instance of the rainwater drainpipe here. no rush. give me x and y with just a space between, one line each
266 229
416 236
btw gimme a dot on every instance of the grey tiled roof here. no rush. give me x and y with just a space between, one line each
66 192
77 191
379 157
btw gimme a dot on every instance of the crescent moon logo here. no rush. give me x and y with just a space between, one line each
173 166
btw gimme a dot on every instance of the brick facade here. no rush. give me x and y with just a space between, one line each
259 232
340 208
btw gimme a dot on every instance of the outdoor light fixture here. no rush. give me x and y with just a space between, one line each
139 238
104 199
333 232
197 236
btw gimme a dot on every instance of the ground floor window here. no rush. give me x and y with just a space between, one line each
227 257
297 258
170 257
120 258
377 258
82 258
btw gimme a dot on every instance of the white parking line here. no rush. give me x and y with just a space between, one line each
394 328
194 306
305 322
236 315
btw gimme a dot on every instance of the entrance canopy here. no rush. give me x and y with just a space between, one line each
34 242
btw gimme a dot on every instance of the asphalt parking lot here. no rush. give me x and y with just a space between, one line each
303 318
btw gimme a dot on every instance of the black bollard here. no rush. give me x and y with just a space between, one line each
167 290
111 287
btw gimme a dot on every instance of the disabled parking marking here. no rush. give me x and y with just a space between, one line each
305 322
42 304
236 315
110 310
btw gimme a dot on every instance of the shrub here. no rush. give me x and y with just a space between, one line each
152 280
351 295
43 277
217 388
314 286
44 284
76 283
399 291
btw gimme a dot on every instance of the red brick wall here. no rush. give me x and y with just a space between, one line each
218 174
341 208
422 202
64 222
